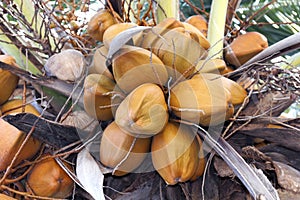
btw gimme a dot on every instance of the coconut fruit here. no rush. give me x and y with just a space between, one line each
157 31
68 65
144 112
244 47
201 101
11 140
114 30
173 48
48 179
99 23
121 151
199 35
100 96
15 106
211 66
201 164
199 22
98 65
237 92
134 66
8 80
175 153
5 197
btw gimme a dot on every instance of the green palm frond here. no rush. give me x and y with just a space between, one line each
277 21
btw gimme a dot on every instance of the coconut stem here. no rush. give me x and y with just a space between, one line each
167 8
216 27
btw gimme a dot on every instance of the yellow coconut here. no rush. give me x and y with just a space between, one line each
48 179
179 52
134 66
100 96
15 106
114 30
201 101
121 151
175 153
237 92
98 65
99 23
199 22
244 47
8 80
143 112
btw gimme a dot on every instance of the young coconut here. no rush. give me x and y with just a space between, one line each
199 35
144 112
114 30
134 66
175 153
201 101
215 66
173 48
121 151
159 30
244 47
48 179
100 96
99 23
15 106
8 81
12 138
199 22
237 92
98 65
5 197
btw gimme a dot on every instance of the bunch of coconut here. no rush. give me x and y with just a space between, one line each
46 178
152 90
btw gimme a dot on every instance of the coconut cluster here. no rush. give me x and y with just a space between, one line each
45 178
160 78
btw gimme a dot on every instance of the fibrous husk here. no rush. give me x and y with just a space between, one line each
100 96
99 23
114 30
199 22
68 65
174 49
143 112
175 153
201 101
121 151
245 47
81 120
98 65
237 92
134 66
48 179
8 81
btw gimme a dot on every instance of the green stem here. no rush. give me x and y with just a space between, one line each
166 9
216 27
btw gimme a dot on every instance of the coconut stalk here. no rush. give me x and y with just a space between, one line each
216 28
167 8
